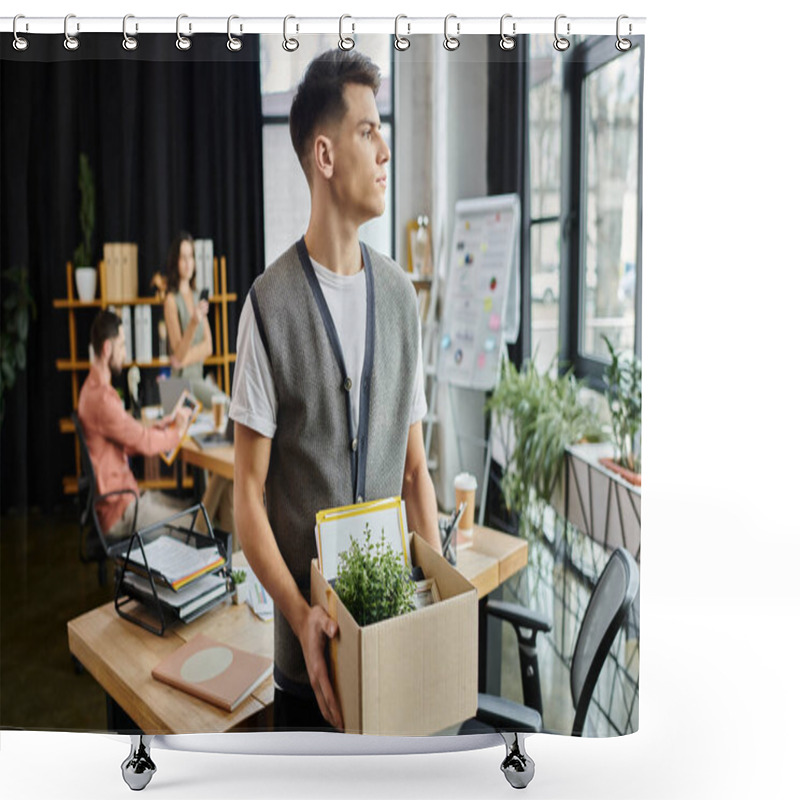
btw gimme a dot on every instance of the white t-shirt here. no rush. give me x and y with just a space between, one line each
254 402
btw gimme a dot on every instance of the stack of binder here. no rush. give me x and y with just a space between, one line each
172 573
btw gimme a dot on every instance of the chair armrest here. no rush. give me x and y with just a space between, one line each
519 616
506 715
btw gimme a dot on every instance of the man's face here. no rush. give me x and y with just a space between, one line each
360 156
118 354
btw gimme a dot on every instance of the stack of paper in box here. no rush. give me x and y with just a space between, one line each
415 674
336 527
181 574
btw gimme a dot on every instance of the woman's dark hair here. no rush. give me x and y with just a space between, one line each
105 326
173 276
320 95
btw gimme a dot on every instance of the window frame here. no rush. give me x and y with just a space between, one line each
580 62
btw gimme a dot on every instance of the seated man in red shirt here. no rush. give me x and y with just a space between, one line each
112 435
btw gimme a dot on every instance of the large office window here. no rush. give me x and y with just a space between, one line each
545 83
584 184
286 198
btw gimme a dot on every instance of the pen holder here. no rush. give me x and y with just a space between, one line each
448 542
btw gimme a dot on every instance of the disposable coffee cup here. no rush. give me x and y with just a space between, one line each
218 407
465 486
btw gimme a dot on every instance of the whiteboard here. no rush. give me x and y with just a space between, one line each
481 301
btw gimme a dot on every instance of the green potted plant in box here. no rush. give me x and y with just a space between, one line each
623 380
539 414
85 272
373 582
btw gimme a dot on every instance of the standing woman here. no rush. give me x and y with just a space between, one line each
186 316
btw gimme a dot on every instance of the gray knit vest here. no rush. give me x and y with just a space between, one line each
316 461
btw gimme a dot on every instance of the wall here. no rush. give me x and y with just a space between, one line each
440 157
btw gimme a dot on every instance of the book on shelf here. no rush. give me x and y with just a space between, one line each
143 321
216 672
122 270
183 602
204 265
174 563
127 325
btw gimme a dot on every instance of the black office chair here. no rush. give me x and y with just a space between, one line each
607 611
92 544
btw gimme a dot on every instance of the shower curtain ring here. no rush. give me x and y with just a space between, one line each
346 42
401 42
20 42
507 42
129 42
451 42
234 43
182 42
71 42
560 43
289 44
623 44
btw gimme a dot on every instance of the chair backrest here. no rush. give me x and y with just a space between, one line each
86 481
607 610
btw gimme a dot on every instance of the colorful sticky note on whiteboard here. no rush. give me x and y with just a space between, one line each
481 361
494 322
487 304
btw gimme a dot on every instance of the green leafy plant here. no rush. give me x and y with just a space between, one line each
542 414
83 252
239 576
373 582
18 310
623 380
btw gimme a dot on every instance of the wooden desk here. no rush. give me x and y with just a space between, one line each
120 655
215 459
492 559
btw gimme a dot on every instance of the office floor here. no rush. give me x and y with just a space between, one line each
43 585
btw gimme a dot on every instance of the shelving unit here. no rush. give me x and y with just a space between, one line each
222 361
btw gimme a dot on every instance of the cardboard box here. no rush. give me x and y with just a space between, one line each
412 675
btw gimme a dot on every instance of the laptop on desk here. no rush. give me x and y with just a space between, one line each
215 438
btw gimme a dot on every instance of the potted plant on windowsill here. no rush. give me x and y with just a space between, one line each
623 379
85 272
538 416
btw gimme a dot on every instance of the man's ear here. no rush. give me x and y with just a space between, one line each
107 347
322 156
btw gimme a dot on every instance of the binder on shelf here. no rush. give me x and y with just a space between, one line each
127 326
143 320
170 572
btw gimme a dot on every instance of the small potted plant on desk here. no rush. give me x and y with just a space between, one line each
239 576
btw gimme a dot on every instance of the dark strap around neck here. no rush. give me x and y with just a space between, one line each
358 457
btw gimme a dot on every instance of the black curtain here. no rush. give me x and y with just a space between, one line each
174 141
507 158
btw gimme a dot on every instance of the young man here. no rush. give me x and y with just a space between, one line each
328 393
112 435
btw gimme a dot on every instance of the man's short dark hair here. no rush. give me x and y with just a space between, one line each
105 326
320 95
